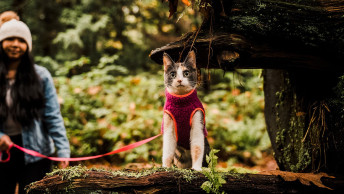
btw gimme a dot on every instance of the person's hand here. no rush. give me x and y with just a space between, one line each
63 164
5 142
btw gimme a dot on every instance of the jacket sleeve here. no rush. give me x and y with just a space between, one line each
52 118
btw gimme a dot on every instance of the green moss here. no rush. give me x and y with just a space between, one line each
243 22
186 174
249 20
189 175
301 4
294 153
280 137
70 172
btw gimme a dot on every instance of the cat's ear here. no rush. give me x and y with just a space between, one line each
191 59
167 61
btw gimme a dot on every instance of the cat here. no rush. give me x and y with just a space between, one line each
184 133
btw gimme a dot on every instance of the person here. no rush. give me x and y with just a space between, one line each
7 16
29 111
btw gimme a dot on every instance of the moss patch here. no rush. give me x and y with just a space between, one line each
295 155
70 172
187 174
81 172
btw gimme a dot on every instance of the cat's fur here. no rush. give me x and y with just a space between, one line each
180 79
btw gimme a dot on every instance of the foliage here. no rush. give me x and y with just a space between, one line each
66 30
112 95
215 179
106 108
234 115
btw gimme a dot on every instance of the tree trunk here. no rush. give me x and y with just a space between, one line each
302 120
173 182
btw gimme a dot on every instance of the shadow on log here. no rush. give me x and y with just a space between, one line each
173 181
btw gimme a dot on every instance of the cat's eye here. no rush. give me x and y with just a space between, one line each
186 73
173 74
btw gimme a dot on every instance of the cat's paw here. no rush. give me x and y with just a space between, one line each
197 168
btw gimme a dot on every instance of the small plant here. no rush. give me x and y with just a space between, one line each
215 178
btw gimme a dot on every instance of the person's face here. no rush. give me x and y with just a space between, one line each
14 47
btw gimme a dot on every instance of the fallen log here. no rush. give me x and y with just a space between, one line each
161 180
230 51
266 34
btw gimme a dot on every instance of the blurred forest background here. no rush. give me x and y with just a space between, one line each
112 94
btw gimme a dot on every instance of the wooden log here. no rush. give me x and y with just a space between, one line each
232 51
175 182
266 34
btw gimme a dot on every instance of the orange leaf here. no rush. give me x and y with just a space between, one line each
304 178
93 90
235 92
186 2
300 114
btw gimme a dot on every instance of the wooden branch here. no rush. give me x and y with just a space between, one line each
232 51
174 182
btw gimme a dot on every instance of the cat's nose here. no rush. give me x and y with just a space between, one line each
180 81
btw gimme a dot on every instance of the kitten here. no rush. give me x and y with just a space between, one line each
184 133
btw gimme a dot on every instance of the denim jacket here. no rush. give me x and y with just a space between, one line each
49 131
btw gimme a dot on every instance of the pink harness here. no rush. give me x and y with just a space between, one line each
181 108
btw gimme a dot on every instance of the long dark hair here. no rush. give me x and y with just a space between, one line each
26 93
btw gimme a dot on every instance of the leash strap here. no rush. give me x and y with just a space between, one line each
34 153
8 154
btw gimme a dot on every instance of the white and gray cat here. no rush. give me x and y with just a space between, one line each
184 134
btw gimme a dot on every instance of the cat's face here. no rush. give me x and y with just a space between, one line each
180 78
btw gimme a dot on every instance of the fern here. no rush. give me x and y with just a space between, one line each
215 178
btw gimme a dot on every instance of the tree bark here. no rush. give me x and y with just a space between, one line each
266 34
172 182
304 118
231 51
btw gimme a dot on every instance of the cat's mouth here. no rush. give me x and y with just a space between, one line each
180 86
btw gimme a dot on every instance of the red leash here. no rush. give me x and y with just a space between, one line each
34 153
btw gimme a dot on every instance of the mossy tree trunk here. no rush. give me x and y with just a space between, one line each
301 120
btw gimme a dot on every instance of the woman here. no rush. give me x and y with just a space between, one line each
29 111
